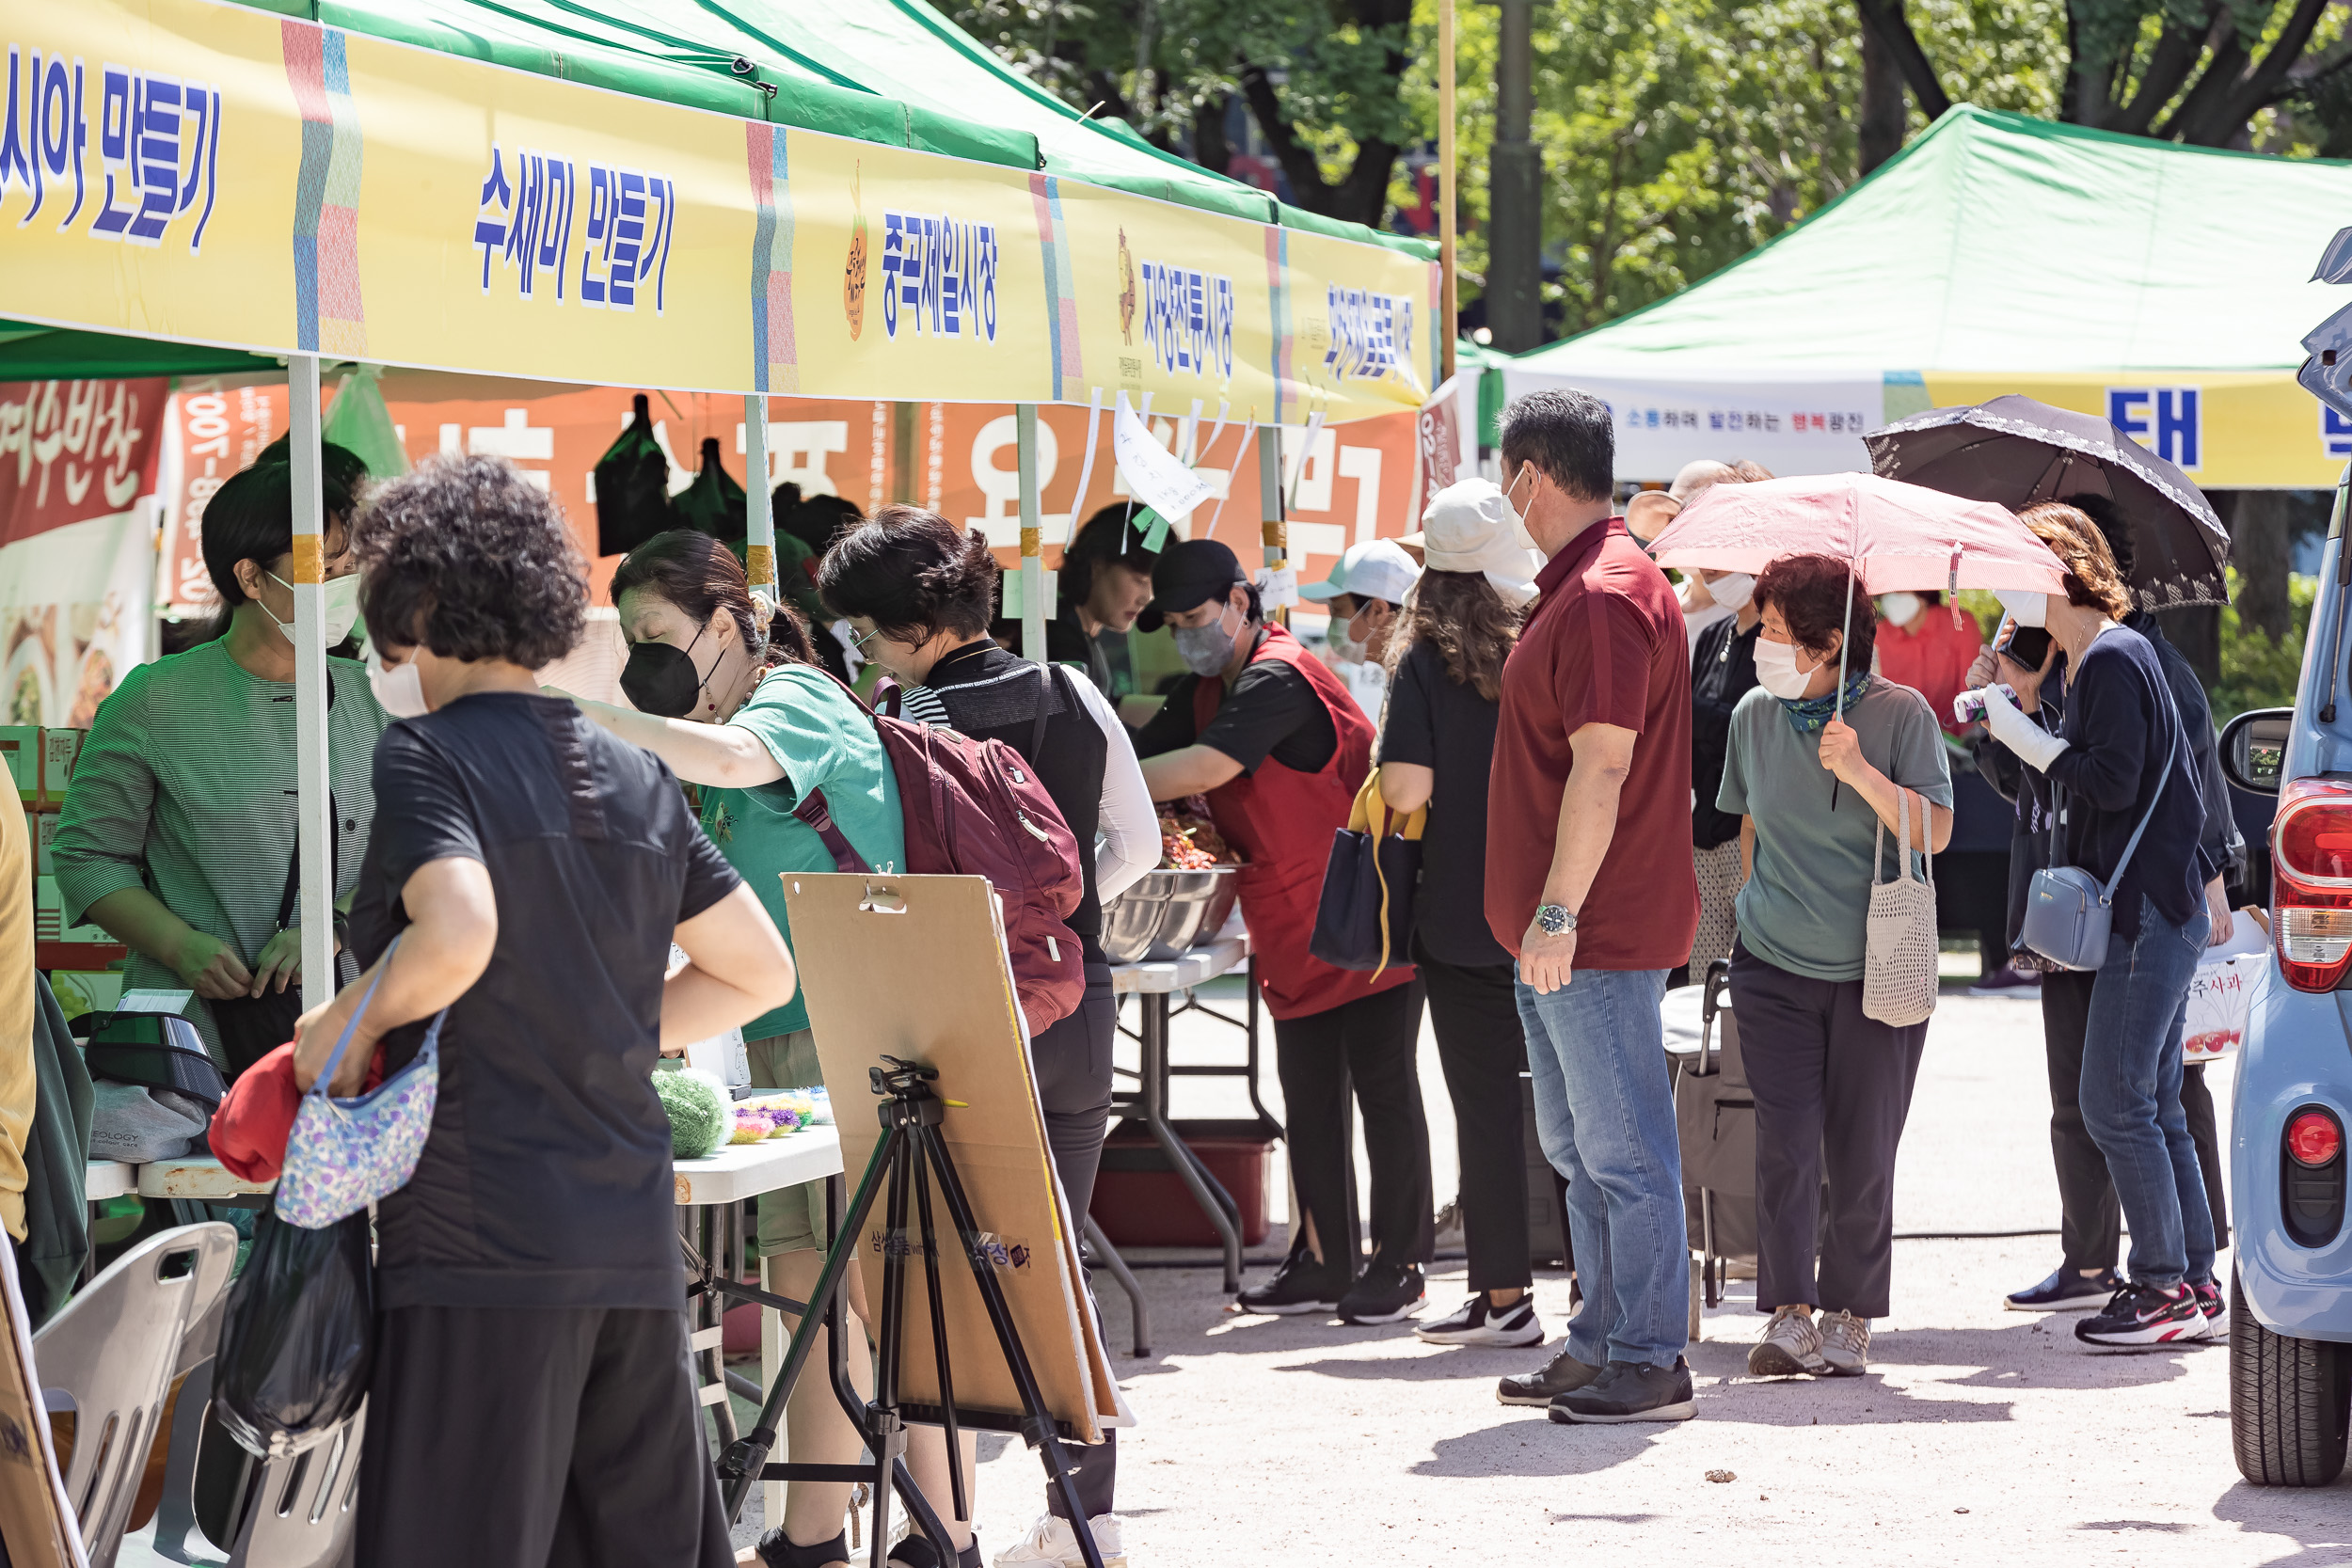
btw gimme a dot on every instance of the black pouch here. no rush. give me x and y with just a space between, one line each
297 1339
632 486
154 1051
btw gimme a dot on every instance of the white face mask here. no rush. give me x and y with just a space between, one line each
1733 590
1900 610
1518 519
400 690
339 601
2026 610
1777 670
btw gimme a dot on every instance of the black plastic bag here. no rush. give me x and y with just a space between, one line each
714 503
298 1340
632 487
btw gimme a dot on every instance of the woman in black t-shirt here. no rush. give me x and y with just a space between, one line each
1445 686
536 870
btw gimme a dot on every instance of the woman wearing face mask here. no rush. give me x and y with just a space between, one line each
734 701
1831 1086
1723 671
1268 733
178 836
919 592
1364 592
2117 759
1923 645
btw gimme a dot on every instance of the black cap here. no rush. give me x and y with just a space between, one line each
1189 573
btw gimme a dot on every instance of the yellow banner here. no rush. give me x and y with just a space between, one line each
208 172
2226 431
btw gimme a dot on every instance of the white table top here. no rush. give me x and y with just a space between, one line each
1229 951
109 1178
734 1173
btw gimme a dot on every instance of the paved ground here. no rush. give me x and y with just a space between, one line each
1979 1435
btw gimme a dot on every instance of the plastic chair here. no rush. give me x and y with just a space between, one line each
109 1357
302 1510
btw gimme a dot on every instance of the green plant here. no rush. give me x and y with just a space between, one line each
2256 671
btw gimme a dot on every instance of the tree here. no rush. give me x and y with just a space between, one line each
2200 71
1320 77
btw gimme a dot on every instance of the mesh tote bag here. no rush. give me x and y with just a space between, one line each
1898 953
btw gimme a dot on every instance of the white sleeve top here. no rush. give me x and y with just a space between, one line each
1128 824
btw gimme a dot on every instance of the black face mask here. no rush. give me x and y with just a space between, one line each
660 678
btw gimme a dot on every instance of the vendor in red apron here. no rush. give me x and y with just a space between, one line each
1273 740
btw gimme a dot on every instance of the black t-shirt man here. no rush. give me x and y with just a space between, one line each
546 1180
1271 712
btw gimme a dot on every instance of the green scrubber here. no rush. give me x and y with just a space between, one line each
701 1116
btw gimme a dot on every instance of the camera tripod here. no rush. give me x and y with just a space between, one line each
910 1156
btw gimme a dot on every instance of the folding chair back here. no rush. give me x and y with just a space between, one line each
301 1511
109 1356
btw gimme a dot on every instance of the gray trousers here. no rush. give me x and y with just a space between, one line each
1832 1090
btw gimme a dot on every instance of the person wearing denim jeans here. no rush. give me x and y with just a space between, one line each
2131 814
2131 1097
1590 887
1596 1044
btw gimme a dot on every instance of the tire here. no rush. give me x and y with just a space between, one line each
2287 1401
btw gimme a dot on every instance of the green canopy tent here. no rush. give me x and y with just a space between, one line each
2165 287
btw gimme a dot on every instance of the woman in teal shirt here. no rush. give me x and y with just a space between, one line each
732 698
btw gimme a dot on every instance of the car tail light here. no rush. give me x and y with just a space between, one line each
2311 845
2314 1138
2311 1178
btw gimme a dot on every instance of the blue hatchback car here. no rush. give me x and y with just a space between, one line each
2291 1300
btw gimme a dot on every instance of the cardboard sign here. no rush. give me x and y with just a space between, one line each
855 954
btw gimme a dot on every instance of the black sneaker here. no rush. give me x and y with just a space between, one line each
2143 1315
1630 1391
2065 1291
1562 1374
1300 1285
776 1550
2215 1304
917 1551
1383 1293
1479 1322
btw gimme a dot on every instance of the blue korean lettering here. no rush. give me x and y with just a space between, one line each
2335 432
2168 421
496 203
60 107
15 164
938 276
155 158
115 114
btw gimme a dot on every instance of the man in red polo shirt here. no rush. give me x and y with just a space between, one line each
1589 885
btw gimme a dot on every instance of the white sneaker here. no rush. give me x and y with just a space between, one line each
1052 1541
1846 1343
1791 1346
1476 1322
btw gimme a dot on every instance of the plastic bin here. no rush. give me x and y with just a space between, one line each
1142 1202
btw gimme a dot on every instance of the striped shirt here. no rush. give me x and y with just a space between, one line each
186 786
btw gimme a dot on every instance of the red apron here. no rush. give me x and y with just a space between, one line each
1282 820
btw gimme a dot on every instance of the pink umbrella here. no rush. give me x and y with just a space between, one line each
1896 536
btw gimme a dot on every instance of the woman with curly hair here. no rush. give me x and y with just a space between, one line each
1445 686
729 694
527 874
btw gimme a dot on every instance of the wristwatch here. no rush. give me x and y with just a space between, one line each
1554 919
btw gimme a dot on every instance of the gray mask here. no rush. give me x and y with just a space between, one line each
1205 650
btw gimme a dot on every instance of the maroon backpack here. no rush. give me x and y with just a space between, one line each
976 808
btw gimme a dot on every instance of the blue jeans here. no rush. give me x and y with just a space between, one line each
2130 1096
1604 1111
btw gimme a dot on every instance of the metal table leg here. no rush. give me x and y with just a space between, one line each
1205 1188
1108 1257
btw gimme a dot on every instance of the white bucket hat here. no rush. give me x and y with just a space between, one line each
1466 528
1377 569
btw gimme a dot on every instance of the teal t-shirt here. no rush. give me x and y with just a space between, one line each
825 741
1806 905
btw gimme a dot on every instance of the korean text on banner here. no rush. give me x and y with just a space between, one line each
282 186
77 541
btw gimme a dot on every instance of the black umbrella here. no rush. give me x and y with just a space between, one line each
2015 452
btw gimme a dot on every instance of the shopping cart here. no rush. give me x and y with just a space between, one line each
1715 1119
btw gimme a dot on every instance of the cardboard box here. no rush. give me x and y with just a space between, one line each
44 839
20 748
59 751
49 916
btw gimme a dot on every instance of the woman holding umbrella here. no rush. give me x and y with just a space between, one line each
2133 811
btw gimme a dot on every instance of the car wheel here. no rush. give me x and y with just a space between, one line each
2287 1401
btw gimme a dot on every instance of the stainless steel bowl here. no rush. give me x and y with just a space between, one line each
1130 922
1191 895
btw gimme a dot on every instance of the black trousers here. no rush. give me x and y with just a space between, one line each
512 1436
1832 1090
1073 1063
1483 1048
1371 1043
2090 1222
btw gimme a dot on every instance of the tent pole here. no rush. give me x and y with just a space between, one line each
1032 536
759 520
1270 504
1448 310
313 816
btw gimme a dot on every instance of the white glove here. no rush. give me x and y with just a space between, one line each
2036 746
